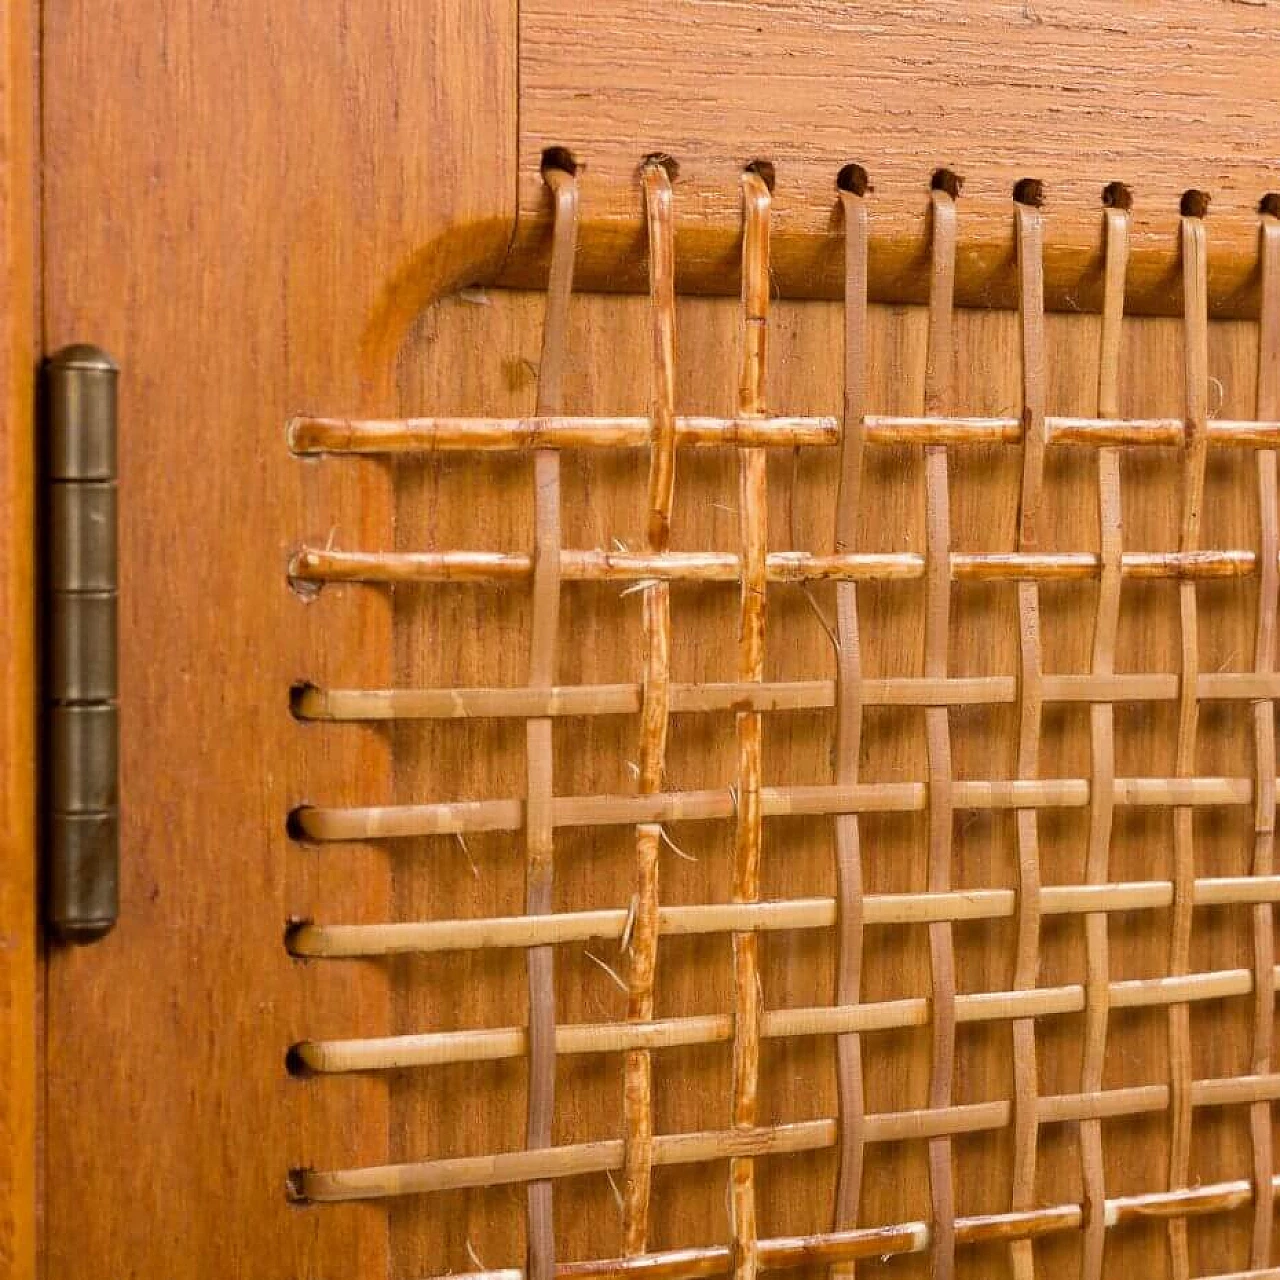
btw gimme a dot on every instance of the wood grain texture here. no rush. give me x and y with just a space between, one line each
246 205
18 1004
1079 95
288 235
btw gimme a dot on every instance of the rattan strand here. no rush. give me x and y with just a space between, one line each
1102 748
1196 360
540 781
461 816
393 1053
654 713
847 743
940 795
311 703
321 565
784 1253
748 831
1026 967
311 436
1268 399
345 941
748 1142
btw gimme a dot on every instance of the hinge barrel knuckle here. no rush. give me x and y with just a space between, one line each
82 732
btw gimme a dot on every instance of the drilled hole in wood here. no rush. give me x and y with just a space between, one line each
1270 204
1116 195
293 825
946 180
1029 191
765 170
1194 204
664 161
294 1063
292 927
298 692
853 178
295 1184
559 158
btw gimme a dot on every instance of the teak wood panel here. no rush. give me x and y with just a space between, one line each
18 980
245 205
1159 97
249 220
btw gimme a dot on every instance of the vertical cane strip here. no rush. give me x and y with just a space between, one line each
1196 357
1102 746
654 709
848 734
937 392
1030 698
539 838
746 877
1264 736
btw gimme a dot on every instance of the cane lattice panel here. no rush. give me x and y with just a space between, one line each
836 890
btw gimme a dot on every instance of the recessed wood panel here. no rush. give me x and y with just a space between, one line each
459 635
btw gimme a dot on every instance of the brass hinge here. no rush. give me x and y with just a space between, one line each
81 730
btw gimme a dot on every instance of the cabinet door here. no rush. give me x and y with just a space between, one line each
267 212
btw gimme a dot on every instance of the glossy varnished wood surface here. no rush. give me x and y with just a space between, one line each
244 205
18 1008
1079 95
250 219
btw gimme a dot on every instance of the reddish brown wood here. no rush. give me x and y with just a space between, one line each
1078 95
259 252
247 206
18 1003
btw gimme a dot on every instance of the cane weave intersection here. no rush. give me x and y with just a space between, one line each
1029 568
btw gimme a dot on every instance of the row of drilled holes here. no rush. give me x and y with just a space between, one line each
853 178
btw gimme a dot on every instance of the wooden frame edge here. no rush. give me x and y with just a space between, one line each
18 882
